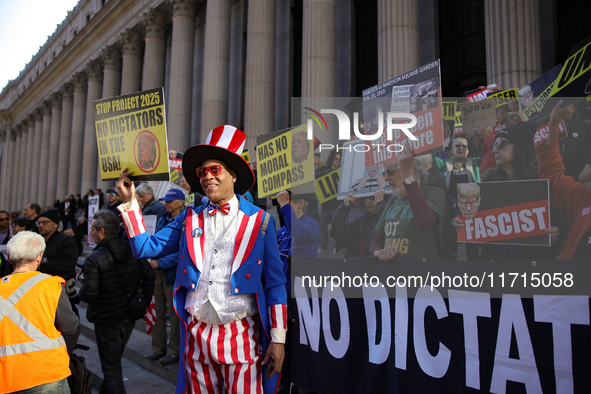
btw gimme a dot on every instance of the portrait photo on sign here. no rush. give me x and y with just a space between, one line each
147 150
355 177
510 212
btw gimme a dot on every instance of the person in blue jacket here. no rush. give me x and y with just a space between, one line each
165 270
229 289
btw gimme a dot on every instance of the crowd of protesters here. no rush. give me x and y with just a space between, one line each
416 208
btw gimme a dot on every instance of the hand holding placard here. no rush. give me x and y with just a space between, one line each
126 186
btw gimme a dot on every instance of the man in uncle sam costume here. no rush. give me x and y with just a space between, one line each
229 277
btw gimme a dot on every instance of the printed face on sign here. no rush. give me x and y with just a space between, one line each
469 199
146 151
300 147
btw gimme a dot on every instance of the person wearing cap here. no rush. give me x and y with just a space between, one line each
59 259
165 270
229 286
513 150
113 200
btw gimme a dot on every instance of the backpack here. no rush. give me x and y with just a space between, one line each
80 381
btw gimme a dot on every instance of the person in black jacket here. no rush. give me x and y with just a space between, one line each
357 234
111 273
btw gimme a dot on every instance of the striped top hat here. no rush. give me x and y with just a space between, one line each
224 143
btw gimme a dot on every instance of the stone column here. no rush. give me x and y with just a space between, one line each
283 65
181 74
90 151
77 137
37 141
29 162
22 160
54 142
398 37
214 108
131 73
44 158
5 167
112 83
111 57
260 71
17 181
155 52
10 173
513 49
63 156
319 49
237 63
196 133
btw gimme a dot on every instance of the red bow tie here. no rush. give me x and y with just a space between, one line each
225 208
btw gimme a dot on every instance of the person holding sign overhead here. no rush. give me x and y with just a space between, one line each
229 286
514 155
572 198
411 224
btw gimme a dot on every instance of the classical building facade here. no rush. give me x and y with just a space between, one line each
239 62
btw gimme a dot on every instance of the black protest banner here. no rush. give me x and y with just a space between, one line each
417 92
574 79
437 339
515 212
533 96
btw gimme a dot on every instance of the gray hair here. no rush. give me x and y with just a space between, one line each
420 174
106 220
460 139
144 188
468 190
25 247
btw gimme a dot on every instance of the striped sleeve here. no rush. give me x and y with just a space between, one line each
132 218
278 314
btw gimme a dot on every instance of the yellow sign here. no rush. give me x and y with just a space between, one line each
285 159
327 186
174 176
131 132
448 107
458 128
246 156
504 96
190 199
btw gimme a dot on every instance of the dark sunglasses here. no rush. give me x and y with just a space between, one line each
214 170
460 146
500 144
4 219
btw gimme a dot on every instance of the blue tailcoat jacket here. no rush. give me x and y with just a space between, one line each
256 269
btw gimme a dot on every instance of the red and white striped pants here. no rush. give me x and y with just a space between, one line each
229 351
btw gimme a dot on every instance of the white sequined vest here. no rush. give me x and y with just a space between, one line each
215 282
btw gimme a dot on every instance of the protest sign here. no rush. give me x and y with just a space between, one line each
431 337
93 206
327 186
246 156
448 107
477 94
515 212
477 115
533 96
574 79
285 160
355 176
131 132
175 164
459 126
416 91
542 132
150 222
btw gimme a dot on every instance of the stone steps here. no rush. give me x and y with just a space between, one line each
141 376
